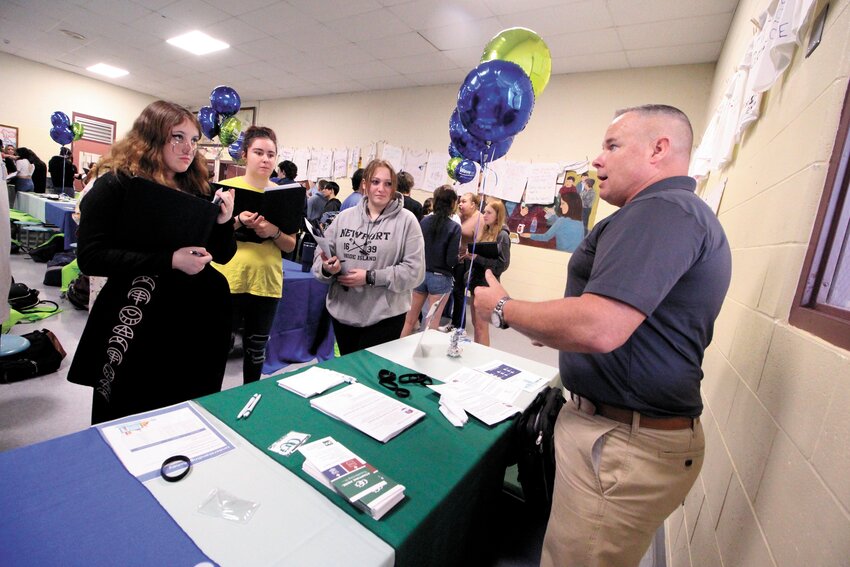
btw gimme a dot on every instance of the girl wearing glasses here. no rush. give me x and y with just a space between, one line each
158 331
378 257
255 274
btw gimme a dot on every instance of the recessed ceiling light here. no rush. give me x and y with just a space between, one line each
107 70
198 42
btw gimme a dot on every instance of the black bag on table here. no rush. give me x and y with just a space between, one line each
534 437
43 356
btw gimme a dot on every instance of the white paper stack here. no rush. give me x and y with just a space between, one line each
314 381
375 414
335 466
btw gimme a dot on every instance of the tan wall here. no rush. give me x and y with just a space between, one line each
567 124
774 489
32 92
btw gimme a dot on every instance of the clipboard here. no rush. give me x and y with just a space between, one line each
485 249
154 217
281 205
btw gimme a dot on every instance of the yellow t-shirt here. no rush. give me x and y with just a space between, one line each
257 267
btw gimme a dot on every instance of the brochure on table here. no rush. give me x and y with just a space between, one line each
314 381
143 441
489 392
335 466
375 414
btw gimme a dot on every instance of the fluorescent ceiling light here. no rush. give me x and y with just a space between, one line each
108 70
198 42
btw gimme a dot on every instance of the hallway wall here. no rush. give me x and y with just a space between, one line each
774 489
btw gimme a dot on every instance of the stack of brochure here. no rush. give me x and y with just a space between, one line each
375 414
332 464
314 381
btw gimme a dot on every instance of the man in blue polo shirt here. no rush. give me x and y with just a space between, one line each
643 291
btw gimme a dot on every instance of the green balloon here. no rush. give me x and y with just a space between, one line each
452 165
229 131
525 48
78 130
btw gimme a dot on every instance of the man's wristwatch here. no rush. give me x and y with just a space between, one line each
497 318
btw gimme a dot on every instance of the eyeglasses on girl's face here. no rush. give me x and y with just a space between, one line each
180 142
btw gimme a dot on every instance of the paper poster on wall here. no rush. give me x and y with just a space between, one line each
541 187
435 172
371 152
392 154
301 158
355 158
506 180
324 163
414 163
286 154
340 165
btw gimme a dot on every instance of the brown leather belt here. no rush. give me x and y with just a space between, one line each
627 416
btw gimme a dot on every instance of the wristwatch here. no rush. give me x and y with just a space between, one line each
497 318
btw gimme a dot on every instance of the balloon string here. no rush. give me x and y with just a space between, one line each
475 233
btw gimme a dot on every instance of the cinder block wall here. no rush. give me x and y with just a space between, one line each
775 487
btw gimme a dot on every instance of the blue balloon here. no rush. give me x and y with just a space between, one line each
60 119
465 171
225 101
61 135
453 151
470 147
465 143
235 149
209 121
495 101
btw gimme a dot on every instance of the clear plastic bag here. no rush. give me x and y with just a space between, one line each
222 504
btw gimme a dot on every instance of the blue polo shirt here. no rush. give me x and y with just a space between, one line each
665 254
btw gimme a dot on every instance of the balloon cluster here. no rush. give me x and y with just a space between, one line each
218 119
495 101
64 131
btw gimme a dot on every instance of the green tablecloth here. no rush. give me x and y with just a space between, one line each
452 476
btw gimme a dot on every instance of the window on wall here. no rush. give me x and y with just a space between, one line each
822 303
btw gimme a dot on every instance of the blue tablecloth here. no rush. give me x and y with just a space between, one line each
59 213
70 501
302 327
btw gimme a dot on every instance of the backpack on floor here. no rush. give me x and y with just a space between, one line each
22 297
53 272
43 356
534 436
78 292
46 250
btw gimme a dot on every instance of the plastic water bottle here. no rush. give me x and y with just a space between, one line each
534 225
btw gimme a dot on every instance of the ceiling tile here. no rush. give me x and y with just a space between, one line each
159 26
240 7
577 16
277 18
447 77
466 57
457 36
419 63
330 10
154 4
685 54
501 7
700 29
440 13
341 55
585 42
394 82
123 12
410 43
587 63
369 25
234 31
195 14
629 12
367 70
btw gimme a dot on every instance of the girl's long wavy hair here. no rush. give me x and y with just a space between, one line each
444 203
490 232
140 152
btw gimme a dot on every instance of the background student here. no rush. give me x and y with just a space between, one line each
495 230
159 330
255 274
442 238
377 259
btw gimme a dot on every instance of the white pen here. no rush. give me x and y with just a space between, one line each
247 407
251 405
